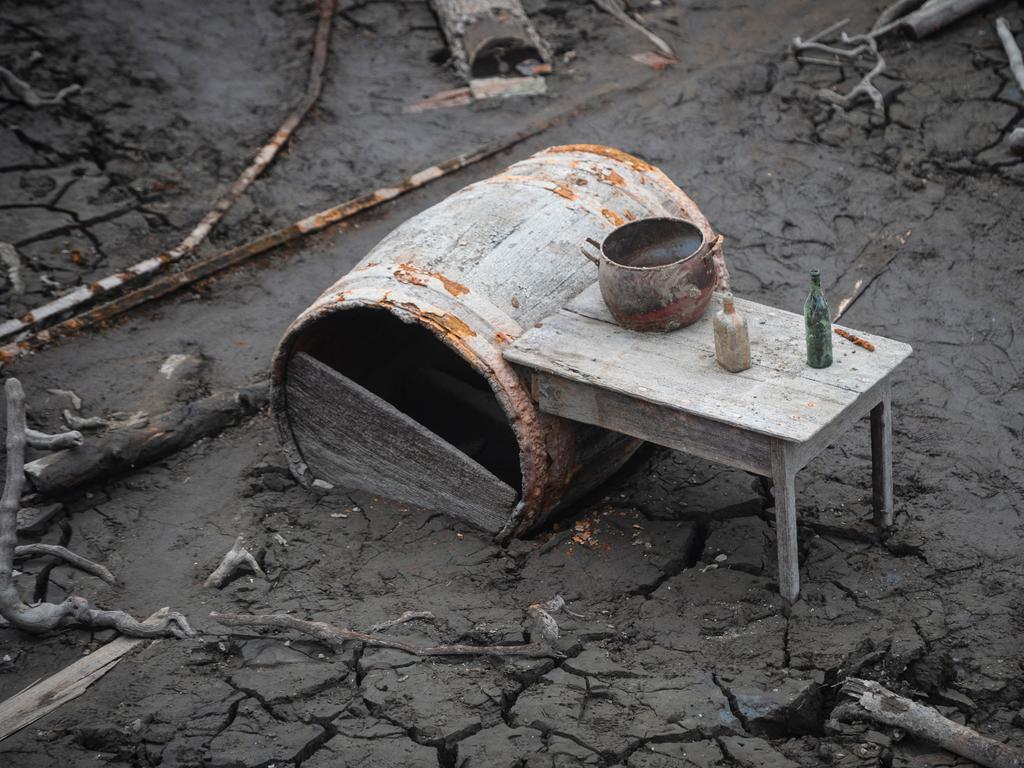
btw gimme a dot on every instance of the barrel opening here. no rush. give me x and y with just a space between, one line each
406 365
500 56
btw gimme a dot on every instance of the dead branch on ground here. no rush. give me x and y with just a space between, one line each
42 617
236 557
405 617
539 615
27 94
864 45
54 550
1012 51
84 423
616 9
884 706
88 293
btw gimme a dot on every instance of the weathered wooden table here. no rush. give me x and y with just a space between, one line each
668 389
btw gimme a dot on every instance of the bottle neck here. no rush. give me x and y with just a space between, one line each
815 279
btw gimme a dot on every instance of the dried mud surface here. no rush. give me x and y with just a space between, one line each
685 655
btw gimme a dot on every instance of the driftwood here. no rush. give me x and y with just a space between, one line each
236 557
89 293
41 698
489 38
43 617
616 9
71 558
133 446
882 705
934 16
337 636
544 632
863 45
27 94
405 617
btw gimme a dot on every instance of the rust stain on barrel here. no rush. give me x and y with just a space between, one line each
407 273
613 154
612 216
561 191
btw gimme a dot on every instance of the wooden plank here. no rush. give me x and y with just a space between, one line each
352 437
29 705
784 490
779 396
679 430
777 343
881 460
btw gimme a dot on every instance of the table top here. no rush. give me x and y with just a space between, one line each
780 395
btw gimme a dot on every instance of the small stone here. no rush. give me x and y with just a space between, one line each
721 558
322 485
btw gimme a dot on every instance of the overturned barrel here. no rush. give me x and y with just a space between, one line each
393 381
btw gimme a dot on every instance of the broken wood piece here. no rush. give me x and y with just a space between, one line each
654 59
55 442
933 17
616 9
43 697
235 558
43 617
336 637
84 423
35 520
88 293
405 617
1012 51
855 339
28 95
884 706
456 97
489 38
129 447
506 87
54 550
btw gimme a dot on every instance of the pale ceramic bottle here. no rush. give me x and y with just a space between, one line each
732 343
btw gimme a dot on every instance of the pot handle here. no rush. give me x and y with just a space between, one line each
594 244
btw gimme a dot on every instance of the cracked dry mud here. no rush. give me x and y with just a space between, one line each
685 656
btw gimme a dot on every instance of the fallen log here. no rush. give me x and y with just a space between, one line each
933 17
41 698
130 447
489 38
884 706
88 293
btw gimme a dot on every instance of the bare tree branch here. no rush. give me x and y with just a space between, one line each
27 94
43 617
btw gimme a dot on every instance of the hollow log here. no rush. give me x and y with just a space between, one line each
488 38
120 450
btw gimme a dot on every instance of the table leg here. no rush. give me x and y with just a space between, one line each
784 481
881 460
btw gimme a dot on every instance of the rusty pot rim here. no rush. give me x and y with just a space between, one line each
702 250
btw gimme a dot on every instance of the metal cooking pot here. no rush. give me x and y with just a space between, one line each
656 274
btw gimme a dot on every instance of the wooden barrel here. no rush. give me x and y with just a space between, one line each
393 381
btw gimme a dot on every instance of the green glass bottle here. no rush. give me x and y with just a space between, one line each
818 325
